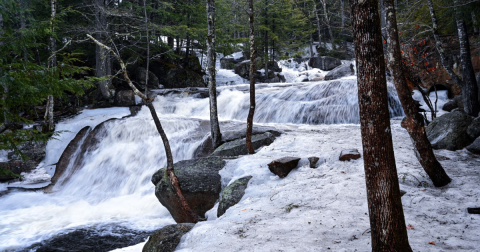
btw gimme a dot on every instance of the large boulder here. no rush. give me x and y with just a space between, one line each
324 63
124 98
473 129
340 71
229 63
273 66
238 147
475 146
182 78
141 74
283 166
167 238
449 131
232 194
450 105
200 183
192 63
243 68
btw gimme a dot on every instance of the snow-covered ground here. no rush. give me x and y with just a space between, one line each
325 209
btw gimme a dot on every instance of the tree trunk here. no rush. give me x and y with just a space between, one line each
413 122
387 221
48 119
168 152
148 47
342 13
266 42
212 83
327 21
170 42
469 87
102 63
253 55
318 25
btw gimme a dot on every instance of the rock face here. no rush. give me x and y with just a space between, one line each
167 238
449 131
340 71
313 161
232 194
473 129
140 75
238 147
34 152
324 63
181 78
449 106
347 155
200 184
475 146
124 98
283 166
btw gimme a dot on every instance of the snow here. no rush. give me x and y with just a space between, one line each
442 99
3 155
227 77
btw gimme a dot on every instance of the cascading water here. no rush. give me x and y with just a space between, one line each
112 188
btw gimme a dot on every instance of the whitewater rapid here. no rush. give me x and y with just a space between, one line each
112 185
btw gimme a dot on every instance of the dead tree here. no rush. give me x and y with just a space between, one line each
253 55
168 152
413 121
212 83
387 221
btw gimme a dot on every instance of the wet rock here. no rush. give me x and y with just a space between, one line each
33 150
449 131
283 166
318 78
449 106
229 63
243 68
340 71
182 78
167 238
200 184
475 146
124 98
134 110
140 75
192 63
349 154
94 239
238 147
313 161
232 194
324 63
473 129
301 60
273 66
67 155
34 153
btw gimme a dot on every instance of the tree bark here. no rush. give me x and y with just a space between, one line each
168 152
102 64
266 42
469 87
387 221
327 21
148 47
253 55
318 24
413 121
48 118
212 83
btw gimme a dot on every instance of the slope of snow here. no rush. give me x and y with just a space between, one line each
325 209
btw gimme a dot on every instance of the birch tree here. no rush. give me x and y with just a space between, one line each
253 56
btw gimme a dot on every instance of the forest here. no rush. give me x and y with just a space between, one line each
227 125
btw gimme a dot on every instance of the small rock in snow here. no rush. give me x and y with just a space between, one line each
347 155
283 166
313 161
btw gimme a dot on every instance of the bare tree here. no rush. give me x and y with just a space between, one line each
387 221
253 55
168 152
212 83
413 121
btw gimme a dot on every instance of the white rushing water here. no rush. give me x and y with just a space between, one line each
112 185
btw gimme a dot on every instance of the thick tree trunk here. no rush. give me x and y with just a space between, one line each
212 83
387 221
413 121
168 152
469 87
253 56
102 61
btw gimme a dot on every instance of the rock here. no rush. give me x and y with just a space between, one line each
449 106
340 71
232 194
283 166
124 98
449 131
349 154
193 64
181 78
313 161
243 68
67 156
200 183
140 75
473 129
459 101
34 152
324 63
473 210
229 63
238 147
319 78
167 238
273 66
305 79
475 146
402 192
301 60
135 109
